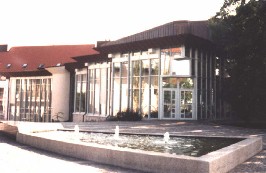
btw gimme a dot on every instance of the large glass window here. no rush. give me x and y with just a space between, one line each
154 88
136 67
104 92
145 92
30 99
174 63
166 61
116 87
81 85
91 90
124 85
136 84
1 103
98 89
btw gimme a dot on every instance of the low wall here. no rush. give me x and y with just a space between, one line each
9 129
13 127
220 161
87 118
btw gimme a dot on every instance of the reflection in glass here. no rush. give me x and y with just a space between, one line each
176 52
116 69
167 112
124 71
170 82
180 67
135 82
78 87
154 67
124 92
145 68
145 95
165 61
154 97
97 92
116 98
83 93
186 104
186 83
91 91
103 91
135 99
136 68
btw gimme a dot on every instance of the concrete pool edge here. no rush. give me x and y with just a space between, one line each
221 160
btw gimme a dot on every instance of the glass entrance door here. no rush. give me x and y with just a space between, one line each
177 98
169 103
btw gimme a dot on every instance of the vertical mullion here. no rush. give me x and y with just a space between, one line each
195 112
131 85
88 90
80 88
128 81
140 87
30 104
120 86
149 84
201 83
45 98
100 91
159 87
214 88
20 96
206 86
40 99
94 81
106 91
112 90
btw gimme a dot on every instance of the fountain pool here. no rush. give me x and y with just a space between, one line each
81 145
190 146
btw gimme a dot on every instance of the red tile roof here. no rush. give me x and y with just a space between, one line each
33 56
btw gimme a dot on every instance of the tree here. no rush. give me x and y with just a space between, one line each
239 30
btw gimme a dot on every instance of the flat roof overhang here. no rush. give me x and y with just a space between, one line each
42 72
161 42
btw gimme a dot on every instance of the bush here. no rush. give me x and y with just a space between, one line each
127 115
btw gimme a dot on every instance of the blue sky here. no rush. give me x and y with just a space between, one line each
51 22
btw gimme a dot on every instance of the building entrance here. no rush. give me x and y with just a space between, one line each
177 101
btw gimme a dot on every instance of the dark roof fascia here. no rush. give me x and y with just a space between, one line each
74 65
162 42
81 60
103 57
26 73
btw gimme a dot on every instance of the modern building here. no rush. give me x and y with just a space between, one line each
171 71
168 72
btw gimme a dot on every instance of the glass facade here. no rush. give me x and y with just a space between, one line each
168 83
30 99
2 111
81 87
140 89
92 90
206 86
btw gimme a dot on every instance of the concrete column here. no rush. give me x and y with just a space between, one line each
60 92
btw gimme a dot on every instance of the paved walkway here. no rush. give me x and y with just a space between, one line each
19 158
15 157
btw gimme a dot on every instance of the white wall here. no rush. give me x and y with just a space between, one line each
60 91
